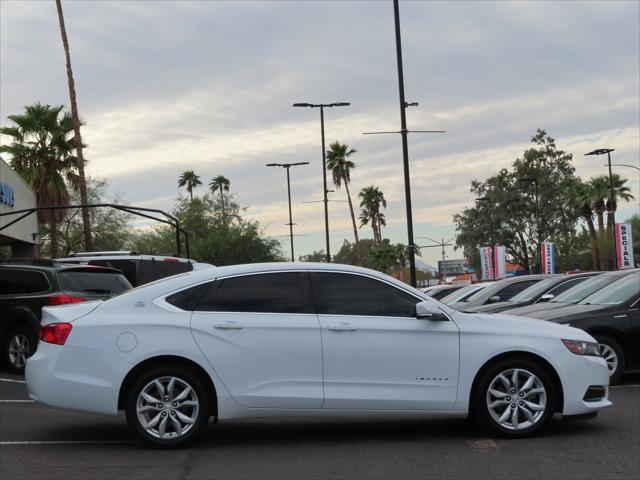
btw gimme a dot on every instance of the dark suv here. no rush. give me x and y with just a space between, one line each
27 286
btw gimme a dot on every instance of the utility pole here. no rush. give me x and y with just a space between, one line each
288 166
441 244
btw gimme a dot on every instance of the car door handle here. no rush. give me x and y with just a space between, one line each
342 327
228 326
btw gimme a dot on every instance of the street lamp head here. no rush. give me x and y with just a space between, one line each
340 104
302 105
273 165
299 163
601 151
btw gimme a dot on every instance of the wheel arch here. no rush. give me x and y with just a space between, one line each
515 355
166 360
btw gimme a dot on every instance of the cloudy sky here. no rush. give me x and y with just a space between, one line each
208 85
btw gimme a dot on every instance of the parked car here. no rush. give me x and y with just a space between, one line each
27 286
498 291
464 293
440 291
139 269
540 292
612 316
306 339
573 295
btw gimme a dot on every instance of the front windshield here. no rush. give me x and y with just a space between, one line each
618 292
463 294
535 290
584 289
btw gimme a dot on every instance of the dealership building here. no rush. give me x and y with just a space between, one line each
15 195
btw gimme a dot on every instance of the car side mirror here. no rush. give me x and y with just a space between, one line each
546 297
494 299
429 311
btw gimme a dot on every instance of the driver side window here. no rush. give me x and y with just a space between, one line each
349 294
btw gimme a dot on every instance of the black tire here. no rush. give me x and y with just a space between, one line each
23 337
480 410
614 376
203 396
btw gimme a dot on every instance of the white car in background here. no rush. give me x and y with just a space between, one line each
306 339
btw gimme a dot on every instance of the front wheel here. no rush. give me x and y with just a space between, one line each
168 406
514 398
20 344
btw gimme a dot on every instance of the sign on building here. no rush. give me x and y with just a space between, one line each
624 245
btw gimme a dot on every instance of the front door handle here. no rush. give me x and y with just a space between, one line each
228 326
342 327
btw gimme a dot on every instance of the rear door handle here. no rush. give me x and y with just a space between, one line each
228 326
342 327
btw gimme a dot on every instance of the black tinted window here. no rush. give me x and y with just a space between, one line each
346 294
513 289
127 267
151 270
34 282
187 299
267 293
563 287
10 282
93 281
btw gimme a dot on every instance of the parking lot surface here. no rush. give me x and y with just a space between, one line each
37 442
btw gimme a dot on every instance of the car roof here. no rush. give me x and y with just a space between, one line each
109 256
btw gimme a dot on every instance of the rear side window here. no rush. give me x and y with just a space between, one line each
34 282
346 294
260 293
513 289
151 270
187 299
93 281
10 282
127 267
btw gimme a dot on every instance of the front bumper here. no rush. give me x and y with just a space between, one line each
57 376
578 374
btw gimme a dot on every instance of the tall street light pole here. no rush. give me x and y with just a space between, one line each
287 166
612 218
321 106
442 244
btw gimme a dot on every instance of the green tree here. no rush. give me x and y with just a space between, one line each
340 166
82 183
511 197
220 184
352 254
189 180
42 153
581 197
315 256
372 201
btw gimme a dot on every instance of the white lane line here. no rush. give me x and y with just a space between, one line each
68 442
11 380
626 386
17 401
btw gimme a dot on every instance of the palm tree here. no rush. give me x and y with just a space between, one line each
340 166
581 196
42 153
221 184
620 191
86 219
371 202
190 180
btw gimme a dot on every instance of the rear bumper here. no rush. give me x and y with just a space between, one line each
65 377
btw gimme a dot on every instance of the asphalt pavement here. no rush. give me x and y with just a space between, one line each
38 442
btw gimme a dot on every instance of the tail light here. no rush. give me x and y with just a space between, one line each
55 333
63 299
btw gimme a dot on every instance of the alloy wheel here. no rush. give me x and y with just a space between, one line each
610 356
167 407
516 399
19 350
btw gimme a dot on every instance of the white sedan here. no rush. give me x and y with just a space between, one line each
306 339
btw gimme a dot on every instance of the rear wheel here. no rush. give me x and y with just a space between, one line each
19 345
613 354
514 398
168 406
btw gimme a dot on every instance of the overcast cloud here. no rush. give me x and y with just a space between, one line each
169 86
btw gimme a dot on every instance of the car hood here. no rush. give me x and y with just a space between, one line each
568 312
492 307
502 323
532 310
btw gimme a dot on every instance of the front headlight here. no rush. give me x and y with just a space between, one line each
582 348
